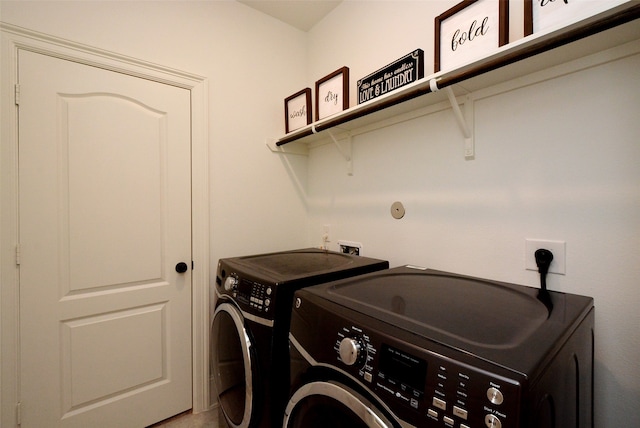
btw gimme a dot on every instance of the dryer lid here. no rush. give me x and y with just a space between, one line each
455 309
304 264
288 264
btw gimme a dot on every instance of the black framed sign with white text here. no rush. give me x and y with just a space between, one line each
399 73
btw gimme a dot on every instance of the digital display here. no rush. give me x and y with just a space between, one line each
403 368
245 287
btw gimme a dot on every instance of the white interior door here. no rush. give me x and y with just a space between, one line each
105 216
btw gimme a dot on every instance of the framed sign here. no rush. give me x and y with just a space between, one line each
470 30
297 110
399 73
332 93
541 14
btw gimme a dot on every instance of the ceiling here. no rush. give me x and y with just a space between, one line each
302 14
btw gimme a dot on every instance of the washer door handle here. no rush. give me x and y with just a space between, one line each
182 267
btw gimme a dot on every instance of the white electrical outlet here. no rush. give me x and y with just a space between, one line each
558 248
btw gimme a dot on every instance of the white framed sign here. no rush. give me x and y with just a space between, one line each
332 93
541 14
297 110
469 31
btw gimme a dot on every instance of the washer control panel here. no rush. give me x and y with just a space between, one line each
425 388
252 296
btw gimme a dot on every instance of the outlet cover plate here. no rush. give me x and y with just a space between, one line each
558 248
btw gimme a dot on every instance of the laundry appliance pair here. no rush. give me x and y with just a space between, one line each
317 339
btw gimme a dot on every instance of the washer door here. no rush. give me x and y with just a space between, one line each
232 365
329 404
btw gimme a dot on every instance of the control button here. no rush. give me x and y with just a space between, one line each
349 351
492 421
414 403
267 302
447 420
269 291
460 412
402 397
432 413
495 396
440 404
368 377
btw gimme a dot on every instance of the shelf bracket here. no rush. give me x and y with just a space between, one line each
465 124
344 149
469 148
289 149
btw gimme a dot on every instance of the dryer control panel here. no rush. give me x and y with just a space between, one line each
254 295
251 296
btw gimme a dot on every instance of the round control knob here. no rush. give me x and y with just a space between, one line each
492 421
495 396
349 351
231 283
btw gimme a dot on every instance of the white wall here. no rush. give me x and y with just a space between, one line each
252 62
557 160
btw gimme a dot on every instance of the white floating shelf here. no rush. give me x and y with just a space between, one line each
530 54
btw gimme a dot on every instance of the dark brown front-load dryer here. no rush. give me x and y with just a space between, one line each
408 347
249 333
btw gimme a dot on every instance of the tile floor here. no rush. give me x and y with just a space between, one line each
209 419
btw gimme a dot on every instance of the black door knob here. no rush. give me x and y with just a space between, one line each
181 267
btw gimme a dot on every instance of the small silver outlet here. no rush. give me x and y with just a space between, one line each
349 247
